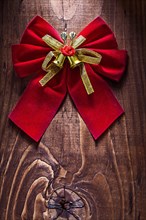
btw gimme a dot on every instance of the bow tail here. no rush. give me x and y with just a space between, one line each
38 105
98 110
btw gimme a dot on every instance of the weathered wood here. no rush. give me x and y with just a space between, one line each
106 178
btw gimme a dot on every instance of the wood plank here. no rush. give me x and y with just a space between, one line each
106 178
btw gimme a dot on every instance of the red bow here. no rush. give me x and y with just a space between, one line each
38 104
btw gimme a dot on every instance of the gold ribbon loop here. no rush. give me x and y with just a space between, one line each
52 71
81 56
48 58
88 56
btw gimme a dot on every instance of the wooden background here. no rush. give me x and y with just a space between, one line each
109 175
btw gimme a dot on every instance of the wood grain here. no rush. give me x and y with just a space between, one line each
103 179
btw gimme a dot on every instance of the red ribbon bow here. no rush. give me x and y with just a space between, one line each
38 105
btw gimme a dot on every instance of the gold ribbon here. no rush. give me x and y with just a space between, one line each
80 57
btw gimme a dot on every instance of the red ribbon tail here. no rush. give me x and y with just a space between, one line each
37 107
98 110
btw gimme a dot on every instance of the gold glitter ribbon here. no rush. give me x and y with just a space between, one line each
81 56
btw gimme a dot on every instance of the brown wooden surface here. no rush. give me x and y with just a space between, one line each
110 174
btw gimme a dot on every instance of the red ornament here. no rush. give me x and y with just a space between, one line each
67 50
38 105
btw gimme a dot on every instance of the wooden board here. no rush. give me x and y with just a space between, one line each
105 179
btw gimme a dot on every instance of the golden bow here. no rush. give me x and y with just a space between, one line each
80 57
